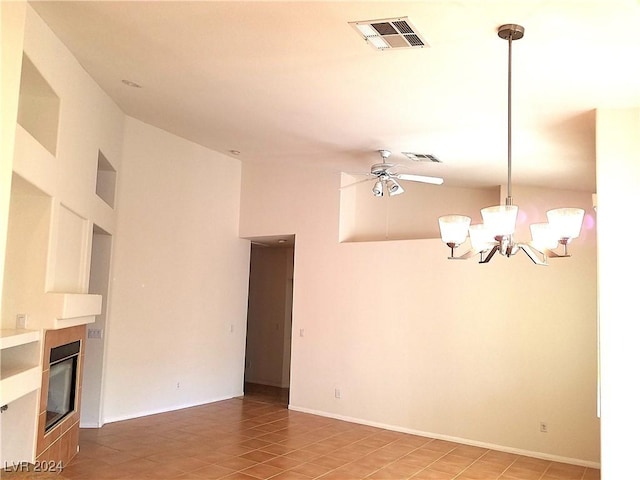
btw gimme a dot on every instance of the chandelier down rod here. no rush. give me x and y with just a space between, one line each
509 32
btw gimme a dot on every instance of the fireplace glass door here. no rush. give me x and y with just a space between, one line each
62 383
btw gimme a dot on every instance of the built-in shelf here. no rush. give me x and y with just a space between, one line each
19 383
20 370
11 337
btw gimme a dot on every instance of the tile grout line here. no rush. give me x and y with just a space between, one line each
478 459
390 463
545 471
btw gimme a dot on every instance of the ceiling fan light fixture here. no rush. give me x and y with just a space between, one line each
394 187
378 190
386 178
496 234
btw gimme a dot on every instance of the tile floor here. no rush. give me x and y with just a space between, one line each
254 438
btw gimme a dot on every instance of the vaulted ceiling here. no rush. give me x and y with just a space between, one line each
287 83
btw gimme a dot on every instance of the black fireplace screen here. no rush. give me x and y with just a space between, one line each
61 397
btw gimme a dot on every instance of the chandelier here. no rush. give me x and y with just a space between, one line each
495 234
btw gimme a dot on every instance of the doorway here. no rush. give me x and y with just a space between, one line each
269 317
94 357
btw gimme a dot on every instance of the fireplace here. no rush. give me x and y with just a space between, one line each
59 410
61 395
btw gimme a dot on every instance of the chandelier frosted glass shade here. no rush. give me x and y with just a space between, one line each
543 237
500 220
454 228
480 236
566 223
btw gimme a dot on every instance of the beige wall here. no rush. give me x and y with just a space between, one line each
480 353
179 295
618 170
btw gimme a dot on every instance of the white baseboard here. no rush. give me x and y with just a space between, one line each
90 425
267 383
172 408
465 441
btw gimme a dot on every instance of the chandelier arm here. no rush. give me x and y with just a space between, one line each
490 255
553 254
468 254
531 253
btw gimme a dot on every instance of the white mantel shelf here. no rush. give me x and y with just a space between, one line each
74 305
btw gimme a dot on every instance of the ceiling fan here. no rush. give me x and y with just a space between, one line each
386 178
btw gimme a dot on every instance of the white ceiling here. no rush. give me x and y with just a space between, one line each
293 83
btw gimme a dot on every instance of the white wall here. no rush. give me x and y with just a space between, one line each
89 121
478 353
53 201
618 170
180 276
12 18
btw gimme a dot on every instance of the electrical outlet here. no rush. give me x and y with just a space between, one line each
543 427
178 386
337 393
21 320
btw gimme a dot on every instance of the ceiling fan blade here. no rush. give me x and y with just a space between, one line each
359 174
419 178
356 183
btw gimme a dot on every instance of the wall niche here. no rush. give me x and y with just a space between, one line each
106 180
38 106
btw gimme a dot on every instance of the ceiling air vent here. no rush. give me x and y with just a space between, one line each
390 33
421 157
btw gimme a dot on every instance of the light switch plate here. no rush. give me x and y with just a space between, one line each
94 333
